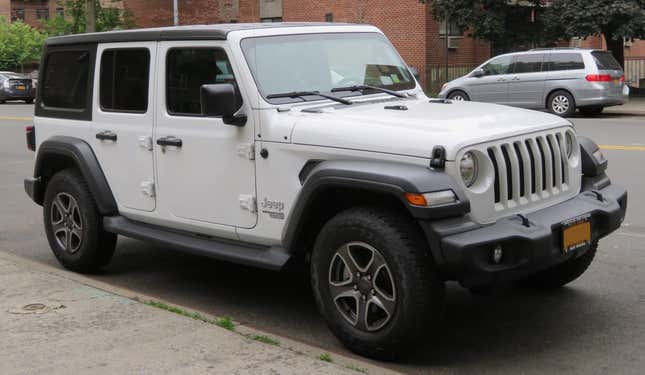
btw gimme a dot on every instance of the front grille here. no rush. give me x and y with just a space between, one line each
529 169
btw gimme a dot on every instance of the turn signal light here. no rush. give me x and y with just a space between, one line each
436 198
416 199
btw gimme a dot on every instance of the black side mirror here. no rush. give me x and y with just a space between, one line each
415 74
478 73
221 100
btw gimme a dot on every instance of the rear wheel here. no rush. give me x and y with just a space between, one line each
458 96
374 282
591 111
562 274
73 225
561 103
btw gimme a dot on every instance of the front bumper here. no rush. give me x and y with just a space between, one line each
528 247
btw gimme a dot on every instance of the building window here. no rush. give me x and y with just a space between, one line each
329 17
453 29
124 80
60 12
42 14
18 15
271 19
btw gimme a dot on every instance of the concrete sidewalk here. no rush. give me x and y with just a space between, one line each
52 324
635 107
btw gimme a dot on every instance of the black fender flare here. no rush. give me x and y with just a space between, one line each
81 155
391 178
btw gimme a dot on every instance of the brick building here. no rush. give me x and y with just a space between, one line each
31 12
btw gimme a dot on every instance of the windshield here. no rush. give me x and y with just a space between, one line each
322 62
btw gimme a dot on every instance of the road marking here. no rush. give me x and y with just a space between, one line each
622 148
635 235
9 118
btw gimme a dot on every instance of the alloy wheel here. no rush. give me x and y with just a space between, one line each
560 104
362 286
66 222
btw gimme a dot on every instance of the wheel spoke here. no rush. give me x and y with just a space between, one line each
380 310
61 204
348 304
340 290
344 254
357 253
363 313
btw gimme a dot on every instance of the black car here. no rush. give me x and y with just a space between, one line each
13 86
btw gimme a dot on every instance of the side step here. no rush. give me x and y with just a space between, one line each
271 258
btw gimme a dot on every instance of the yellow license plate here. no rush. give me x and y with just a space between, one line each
576 233
616 82
21 88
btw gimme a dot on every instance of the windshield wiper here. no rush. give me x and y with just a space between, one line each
368 87
298 94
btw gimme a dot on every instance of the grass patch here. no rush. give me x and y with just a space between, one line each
356 368
265 339
223 322
325 357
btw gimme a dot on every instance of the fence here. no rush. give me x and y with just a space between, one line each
436 76
635 73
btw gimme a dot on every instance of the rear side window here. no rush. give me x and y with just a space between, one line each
528 63
187 69
66 80
605 61
564 61
124 80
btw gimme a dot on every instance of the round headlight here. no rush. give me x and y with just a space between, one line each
468 168
569 144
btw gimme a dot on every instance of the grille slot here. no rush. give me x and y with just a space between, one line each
530 169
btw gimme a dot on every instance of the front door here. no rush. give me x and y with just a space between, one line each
202 174
122 123
527 83
492 87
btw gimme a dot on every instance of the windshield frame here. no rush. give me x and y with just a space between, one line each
312 98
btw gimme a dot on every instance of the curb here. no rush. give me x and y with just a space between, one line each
241 329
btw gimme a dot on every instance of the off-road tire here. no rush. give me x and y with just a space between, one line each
459 95
96 247
420 293
591 111
562 274
561 103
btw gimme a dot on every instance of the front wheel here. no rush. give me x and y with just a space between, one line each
459 96
562 274
73 225
375 283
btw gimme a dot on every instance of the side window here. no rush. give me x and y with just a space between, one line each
500 65
187 69
564 61
528 63
66 80
124 80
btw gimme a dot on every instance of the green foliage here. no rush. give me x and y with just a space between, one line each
325 357
505 24
19 44
224 322
75 20
265 339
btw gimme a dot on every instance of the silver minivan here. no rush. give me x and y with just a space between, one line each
558 79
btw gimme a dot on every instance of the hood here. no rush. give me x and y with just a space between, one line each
416 130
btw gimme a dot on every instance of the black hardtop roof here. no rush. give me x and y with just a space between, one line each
192 32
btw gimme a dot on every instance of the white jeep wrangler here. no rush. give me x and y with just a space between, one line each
282 145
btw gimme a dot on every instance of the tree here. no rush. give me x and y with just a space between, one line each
506 24
19 44
76 20
617 20
90 14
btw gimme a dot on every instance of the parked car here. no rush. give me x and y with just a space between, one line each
14 86
559 79
291 145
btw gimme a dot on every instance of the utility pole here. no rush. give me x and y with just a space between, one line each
447 34
90 12
175 12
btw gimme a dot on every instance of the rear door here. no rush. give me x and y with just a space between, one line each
607 65
123 119
492 87
526 86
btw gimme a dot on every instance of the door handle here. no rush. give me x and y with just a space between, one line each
501 80
516 78
169 141
106 135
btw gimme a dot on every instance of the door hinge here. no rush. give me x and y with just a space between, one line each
148 188
145 142
248 203
246 150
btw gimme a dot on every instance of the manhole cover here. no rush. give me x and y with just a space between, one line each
33 308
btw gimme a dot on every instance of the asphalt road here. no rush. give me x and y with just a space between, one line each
595 325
